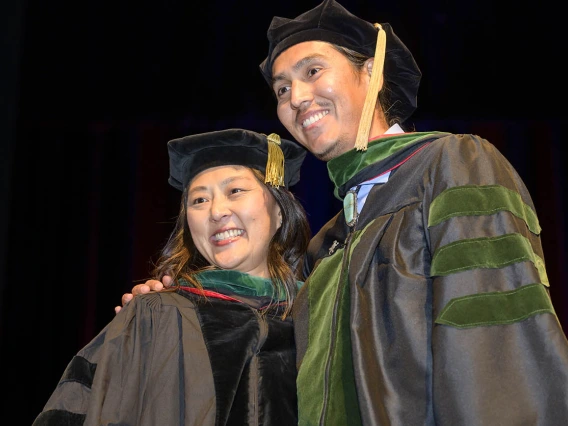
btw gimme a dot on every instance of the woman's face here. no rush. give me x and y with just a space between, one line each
232 218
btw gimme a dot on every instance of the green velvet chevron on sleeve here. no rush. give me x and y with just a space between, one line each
496 308
477 200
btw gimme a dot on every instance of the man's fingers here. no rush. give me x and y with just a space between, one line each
153 285
150 285
141 289
167 280
126 297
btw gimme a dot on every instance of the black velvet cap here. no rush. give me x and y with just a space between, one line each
193 154
332 23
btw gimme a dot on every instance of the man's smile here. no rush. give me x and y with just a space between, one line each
312 119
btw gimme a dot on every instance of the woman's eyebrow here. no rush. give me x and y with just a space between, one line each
224 182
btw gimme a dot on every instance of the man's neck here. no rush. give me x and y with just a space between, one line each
379 126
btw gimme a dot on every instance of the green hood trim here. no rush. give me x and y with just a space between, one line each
239 283
496 308
334 397
494 252
474 200
344 167
343 405
311 384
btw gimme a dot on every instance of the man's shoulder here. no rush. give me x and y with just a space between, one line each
461 143
456 138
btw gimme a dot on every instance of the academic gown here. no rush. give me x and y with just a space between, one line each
433 308
180 358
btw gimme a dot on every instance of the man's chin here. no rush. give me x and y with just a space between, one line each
326 154
330 149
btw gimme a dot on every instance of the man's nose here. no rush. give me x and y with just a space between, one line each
300 94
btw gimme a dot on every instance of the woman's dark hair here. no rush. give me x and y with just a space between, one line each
358 61
180 259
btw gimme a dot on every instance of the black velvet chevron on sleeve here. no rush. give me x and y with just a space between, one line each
59 418
79 370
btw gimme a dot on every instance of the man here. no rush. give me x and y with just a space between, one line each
427 299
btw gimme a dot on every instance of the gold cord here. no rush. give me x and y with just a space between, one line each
373 92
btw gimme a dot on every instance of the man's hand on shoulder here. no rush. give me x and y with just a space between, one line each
148 286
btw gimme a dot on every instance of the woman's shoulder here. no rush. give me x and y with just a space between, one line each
163 298
154 303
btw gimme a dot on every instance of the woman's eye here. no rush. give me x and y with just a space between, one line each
236 190
199 200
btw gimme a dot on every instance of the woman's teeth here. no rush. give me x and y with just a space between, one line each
228 234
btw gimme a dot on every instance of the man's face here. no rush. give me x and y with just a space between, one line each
320 97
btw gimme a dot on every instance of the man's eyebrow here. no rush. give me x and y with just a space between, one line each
298 65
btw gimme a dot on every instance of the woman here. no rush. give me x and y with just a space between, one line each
217 348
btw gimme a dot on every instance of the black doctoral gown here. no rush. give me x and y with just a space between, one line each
179 358
433 308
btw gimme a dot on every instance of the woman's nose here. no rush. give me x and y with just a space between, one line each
219 210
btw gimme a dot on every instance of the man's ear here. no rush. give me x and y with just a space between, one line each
369 68
369 65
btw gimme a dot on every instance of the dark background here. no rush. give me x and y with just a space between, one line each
91 91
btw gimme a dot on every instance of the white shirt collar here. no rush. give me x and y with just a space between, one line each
394 129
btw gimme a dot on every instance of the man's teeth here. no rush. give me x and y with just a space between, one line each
314 118
228 234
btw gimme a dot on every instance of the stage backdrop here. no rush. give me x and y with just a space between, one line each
96 89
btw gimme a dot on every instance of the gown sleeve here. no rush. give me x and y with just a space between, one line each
107 382
500 356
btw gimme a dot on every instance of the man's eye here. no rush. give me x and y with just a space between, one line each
313 71
282 90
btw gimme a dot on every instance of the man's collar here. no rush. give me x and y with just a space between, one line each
382 153
394 129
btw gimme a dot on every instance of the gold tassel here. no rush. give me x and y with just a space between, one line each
275 162
373 92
